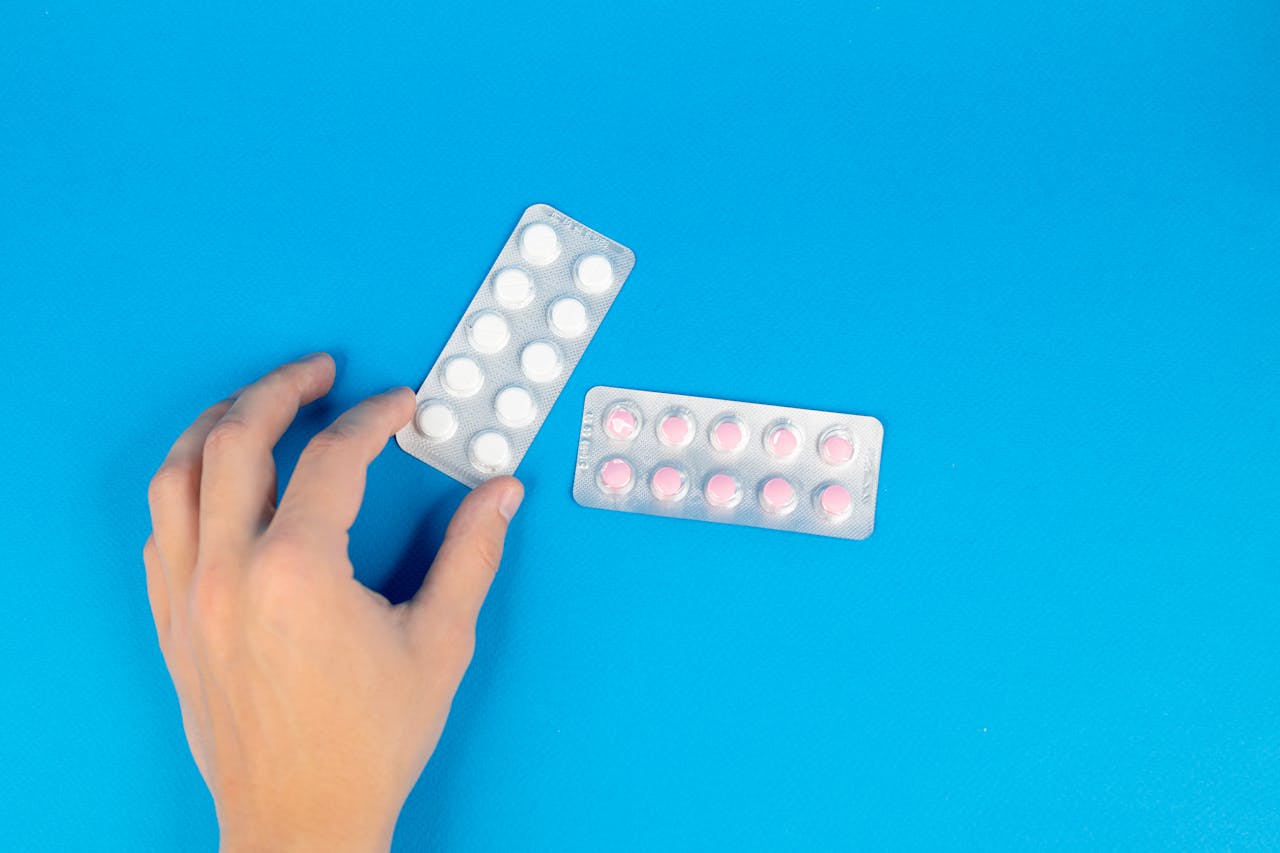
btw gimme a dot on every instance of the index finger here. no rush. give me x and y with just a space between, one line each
327 487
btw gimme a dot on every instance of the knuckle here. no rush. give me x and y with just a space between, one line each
487 552
279 568
458 644
333 439
392 402
282 550
291 379
278 383
276 589
151 556
170 480
226 434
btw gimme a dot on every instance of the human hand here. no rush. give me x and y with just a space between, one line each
311 704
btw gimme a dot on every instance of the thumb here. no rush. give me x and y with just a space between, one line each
447 606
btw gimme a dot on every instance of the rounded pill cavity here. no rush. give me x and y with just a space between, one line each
435 420
513 288
489 451
593 273
723 490
675 429
616 476
539 244
488 332
728 434
621 423
836 446
540 361
778 496
462 376
669 483
567 317
835 501
515 407
782 441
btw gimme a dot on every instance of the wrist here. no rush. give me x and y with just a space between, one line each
281 834
276 842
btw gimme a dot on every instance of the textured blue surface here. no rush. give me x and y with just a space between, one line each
1043 247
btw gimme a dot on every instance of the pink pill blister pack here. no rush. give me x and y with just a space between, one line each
511 355
736 463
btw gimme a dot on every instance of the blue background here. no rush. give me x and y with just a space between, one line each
1041 245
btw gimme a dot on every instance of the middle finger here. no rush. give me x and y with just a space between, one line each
238 468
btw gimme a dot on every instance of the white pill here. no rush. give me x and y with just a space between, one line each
594 273
488 332
567 317
512 288
436 421
462 376
489 451
540 361
514 406
539 244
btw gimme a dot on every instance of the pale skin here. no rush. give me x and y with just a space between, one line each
311 704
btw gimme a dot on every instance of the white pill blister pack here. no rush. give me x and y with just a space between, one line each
736 463
520 338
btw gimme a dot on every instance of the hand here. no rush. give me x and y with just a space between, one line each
311 704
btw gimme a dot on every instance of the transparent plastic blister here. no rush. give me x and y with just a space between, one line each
521 337
735 463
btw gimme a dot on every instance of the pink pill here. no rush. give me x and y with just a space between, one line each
777 495
615 475
674 430
620 423
837 448
782 441
722 490
668 483
835 501
728 434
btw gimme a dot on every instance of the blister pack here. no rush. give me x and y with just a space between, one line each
736 463
520 338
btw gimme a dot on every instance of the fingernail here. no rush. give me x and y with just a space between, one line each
314 356
510 502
